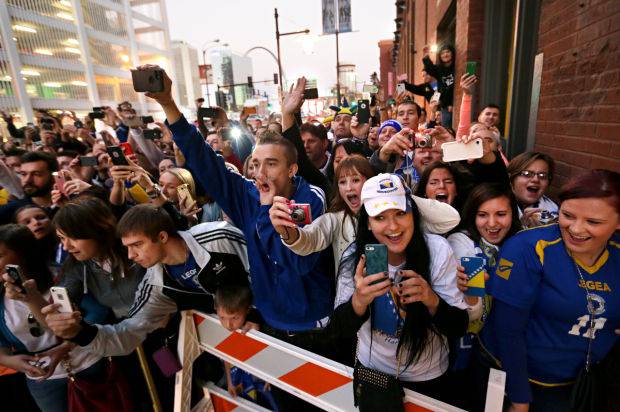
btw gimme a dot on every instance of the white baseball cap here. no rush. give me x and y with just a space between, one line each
383 192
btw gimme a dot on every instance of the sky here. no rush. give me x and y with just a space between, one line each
244 24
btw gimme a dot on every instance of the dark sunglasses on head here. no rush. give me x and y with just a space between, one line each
34 327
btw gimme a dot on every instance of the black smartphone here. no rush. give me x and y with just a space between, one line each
117 156
15 273
147 119
363 111
78 124
207 112
151 134
96 115
47 126
88 161
151 80
98 108
311 93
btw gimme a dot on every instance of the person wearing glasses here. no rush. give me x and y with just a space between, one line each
26 344
530 175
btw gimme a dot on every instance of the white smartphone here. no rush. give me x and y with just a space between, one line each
61 297
400 88
455 151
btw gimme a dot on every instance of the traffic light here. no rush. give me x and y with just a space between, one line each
275 78
250 83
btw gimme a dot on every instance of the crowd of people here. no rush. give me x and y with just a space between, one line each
271 224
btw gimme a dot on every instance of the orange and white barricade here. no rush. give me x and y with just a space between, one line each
315 379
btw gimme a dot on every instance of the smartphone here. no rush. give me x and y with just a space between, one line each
376 259
435 97
88 161
250 110
363 111
117 156
59 181
15 273
151 80
134 122
400 88
184 194
300 213
96 115
148 119
61 297
474 269
151 134
471 68
312 93
78 124
127 149
206 113
455 151
47 126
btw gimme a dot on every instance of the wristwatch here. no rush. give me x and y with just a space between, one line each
154 192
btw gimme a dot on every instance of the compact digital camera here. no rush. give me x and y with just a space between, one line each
423 141
300 213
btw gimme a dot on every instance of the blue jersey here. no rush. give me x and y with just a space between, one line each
536 273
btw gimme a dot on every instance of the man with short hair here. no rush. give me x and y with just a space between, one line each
489 115
37 183
316 145
65 158
184 270
13 159
292 292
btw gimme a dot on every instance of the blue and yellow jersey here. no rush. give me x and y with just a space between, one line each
536 273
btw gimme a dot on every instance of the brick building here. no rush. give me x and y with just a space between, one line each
551 65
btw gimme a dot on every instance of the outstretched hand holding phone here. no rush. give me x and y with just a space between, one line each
164 98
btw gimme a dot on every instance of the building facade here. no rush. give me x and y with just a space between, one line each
551 66
76 54
185 58
230 74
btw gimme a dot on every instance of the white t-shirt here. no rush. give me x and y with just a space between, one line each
16 319
388 321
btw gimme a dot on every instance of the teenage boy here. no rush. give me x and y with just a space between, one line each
292 293
184 269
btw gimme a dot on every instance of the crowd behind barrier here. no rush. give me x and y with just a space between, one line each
417 255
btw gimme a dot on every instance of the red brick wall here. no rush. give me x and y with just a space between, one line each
385 64
579 112
469 40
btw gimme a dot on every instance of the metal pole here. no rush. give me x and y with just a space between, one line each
204 62
278 44
337 69
148 377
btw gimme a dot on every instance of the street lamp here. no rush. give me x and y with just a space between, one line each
204 62
278 35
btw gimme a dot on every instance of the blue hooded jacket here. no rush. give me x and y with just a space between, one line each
292 292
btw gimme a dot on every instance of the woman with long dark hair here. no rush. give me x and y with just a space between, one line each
409 311
26 345
443 182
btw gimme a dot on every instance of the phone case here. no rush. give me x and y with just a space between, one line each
376 259
400 88
184 193
14 272
117 156
474 269
455 151
471 68
363 111
60 296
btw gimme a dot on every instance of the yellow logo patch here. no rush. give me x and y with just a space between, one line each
503 269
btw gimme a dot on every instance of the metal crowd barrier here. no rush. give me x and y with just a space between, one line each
315 379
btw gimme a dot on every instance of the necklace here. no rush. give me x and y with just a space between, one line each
591 312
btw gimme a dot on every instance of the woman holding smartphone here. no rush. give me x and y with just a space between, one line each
26 345
555 300
489 218
406 313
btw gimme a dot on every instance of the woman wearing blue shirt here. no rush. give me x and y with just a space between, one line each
555 300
